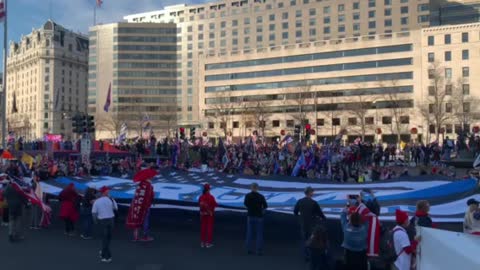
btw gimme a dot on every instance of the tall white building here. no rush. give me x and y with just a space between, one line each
47 74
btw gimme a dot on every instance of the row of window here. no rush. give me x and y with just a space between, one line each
448 91
152 82
462 108
448 56
145 65
351 121
142 56
124 91
447 39
317 94
140 30
300 83
312 57
126 108
381 104
155 74
145 48
162 39
315 69
145 100
432 73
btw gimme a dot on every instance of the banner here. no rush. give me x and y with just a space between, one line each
446 250
53 137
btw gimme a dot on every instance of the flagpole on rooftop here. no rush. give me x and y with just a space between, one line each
4 82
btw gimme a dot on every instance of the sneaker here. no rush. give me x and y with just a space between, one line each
209 245
106 260
146 239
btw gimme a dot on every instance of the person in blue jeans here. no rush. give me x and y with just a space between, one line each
256 206
86 213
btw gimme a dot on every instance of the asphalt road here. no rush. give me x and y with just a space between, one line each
176 246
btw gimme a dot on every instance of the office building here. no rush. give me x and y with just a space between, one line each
239 25
385 83
138 62
46 81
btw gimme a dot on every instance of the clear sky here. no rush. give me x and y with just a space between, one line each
77 15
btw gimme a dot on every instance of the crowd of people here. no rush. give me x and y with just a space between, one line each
367 242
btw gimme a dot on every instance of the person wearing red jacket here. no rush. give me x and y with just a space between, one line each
69 199
207 205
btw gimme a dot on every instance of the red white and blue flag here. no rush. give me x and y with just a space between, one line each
106 107
3 11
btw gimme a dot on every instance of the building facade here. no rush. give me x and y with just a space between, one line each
377 86
243 25
138 62
46 81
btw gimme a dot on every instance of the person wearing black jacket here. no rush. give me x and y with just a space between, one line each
86 213
310 215
16 204
256 206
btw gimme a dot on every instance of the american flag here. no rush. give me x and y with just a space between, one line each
99 3
3 12
109 98
27 192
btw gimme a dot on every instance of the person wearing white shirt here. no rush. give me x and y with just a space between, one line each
403 247
103 212
471 224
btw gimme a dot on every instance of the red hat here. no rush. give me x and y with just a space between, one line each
206 186
104 189
352 209
401 216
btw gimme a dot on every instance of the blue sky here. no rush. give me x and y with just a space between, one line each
77 15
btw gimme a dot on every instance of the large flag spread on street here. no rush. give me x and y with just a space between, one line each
181 189
106 107
3 11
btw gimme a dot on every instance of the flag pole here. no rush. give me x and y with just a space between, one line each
4 83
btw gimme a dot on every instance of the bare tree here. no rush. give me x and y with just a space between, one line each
359 107
260 116
300 96
436 98
461 103
396 108
171 120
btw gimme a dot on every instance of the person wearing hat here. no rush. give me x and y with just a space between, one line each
310 214
471 223
403 247
103 213
138 217
207 205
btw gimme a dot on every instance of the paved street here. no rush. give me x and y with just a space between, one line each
176 247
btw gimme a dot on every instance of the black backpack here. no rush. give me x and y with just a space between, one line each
387 254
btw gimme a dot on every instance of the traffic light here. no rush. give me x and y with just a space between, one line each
296 132
307 132
192 133
182 133
90 124
78 122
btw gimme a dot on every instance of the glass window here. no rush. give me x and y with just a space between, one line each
298 34
223 24
312 12
285 25
448 56
326 20
388 23
312 32
259 19
464 37
466 89
386 120
371 3
371 14
234 23
423 18
341 18
466 107
431 40
285 35
271 37
326 30
298 24
336 121
341 28
285 16
298 13
404 20
246 40
271 17
423 7
234 41
403 1
448 39
465 72
312 22
431 57
388 12
404 10
356 5
448 107
341 8
246 21
259 38
290 123
356 16
448 89
371 25
326 10
271 27
404 119
293 3
211 26
369 120
388 2
320 122
465 55
356 27
352 121
448 73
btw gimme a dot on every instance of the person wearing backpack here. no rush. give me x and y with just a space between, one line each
404 249
421 218
354 240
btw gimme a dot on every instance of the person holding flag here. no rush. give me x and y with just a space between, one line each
369 210
16 205
139 212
